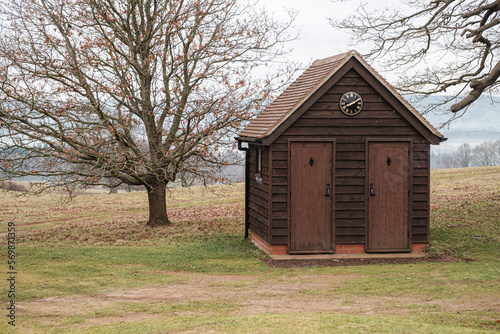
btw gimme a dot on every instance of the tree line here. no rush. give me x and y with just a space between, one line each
485 154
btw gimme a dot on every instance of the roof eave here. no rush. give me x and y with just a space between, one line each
249 139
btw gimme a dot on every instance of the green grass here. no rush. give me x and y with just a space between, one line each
279 323
105 268
93 267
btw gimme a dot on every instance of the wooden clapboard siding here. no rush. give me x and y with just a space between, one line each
378 120
258 206
421 192
279 194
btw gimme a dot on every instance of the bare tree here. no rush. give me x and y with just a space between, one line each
464 155
497 151
447 160
485 154
454 41
125 91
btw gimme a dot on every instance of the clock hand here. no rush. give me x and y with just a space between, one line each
353 102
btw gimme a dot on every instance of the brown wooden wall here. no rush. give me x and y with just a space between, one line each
258 205
324 120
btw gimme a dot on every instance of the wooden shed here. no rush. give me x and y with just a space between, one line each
338 163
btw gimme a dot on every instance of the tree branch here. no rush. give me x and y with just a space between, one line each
478 87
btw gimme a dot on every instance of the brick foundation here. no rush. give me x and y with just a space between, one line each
267 248
418 248
339 249
349 249
360 248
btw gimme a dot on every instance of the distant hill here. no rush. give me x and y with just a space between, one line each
484 114
480 123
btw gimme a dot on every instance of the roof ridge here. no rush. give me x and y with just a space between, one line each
333 58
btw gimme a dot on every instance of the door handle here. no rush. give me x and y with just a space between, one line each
327 190
372 192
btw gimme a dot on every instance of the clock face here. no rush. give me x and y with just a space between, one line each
351 103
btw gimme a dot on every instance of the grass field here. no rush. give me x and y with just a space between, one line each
91 266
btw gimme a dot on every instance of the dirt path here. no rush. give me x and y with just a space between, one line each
248 294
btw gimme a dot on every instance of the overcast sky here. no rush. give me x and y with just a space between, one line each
319 40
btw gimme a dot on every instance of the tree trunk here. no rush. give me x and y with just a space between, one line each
157 204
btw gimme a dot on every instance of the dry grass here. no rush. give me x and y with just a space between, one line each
118 219
465 211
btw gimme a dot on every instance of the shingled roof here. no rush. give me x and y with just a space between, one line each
303 88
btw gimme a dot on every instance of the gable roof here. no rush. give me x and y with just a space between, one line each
303 90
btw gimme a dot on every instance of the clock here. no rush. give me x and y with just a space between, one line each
351 103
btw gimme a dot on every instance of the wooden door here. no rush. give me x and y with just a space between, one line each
311 193
388 197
